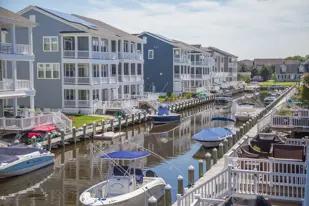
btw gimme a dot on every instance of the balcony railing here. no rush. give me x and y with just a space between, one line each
89 81
182 60
131 56
101 55
130 78
8 85
20 49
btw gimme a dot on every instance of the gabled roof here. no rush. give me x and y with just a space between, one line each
173 42
7 16
220 51
84 24
103 26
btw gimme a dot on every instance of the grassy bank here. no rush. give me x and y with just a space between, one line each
274 83
80 120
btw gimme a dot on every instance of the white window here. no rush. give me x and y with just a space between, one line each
69 94
50 43
48 71
32 18
150 54
69 70
95 94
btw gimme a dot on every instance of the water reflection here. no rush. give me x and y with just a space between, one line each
77 167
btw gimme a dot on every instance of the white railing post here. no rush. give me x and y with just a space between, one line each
306 198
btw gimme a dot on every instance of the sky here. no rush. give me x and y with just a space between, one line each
247 28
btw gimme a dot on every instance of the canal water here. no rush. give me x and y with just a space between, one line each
77 167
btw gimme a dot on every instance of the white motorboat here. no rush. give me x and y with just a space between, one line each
245 111
20 160
126 184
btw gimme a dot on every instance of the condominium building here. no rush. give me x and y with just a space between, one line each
225 71
16 65
173 66
82 63
17 91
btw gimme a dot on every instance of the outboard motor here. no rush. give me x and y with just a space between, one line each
150 173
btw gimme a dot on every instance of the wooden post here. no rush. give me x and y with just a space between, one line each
49 141
190 176
103 126
139 118
132 119
200 168
127 121
225 145
74 134
94 125
167 195
207 161
112 124
180 185
220 150
152 201
119 123
214 155
62 137
234 137
84 131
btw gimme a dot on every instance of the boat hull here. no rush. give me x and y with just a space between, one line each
210 144
25 165
165 119
137 197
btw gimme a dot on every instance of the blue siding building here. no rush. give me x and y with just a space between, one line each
172 66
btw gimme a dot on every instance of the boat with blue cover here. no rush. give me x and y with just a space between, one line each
164 116
222 128
212 137
126 184
20 160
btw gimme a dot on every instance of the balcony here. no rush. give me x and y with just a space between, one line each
130 78
8 85
89 80
77 104
182 60
86 55
20 49
131 56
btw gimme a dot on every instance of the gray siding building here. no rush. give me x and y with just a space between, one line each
83 64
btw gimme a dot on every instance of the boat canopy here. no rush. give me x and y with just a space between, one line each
45 128
220 118
212 134
163 110
125 155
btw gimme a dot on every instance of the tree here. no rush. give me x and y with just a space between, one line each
305 90
265 73
254 72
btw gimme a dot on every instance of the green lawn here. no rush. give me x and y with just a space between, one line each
272 83
80 120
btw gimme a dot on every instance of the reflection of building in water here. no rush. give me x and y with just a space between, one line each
171 143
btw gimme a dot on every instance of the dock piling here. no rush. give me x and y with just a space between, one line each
94 125
214 155
190 176
74 134
152 201
200 168
49 141
62 137
167 195
103 126
180 185
220 150
225 145
119 123
112 124
208 161
84 131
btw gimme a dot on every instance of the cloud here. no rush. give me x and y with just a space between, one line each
248 28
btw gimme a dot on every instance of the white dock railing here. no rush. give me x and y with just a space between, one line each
216 187
280 121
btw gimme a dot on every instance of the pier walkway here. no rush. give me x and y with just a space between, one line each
218 175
